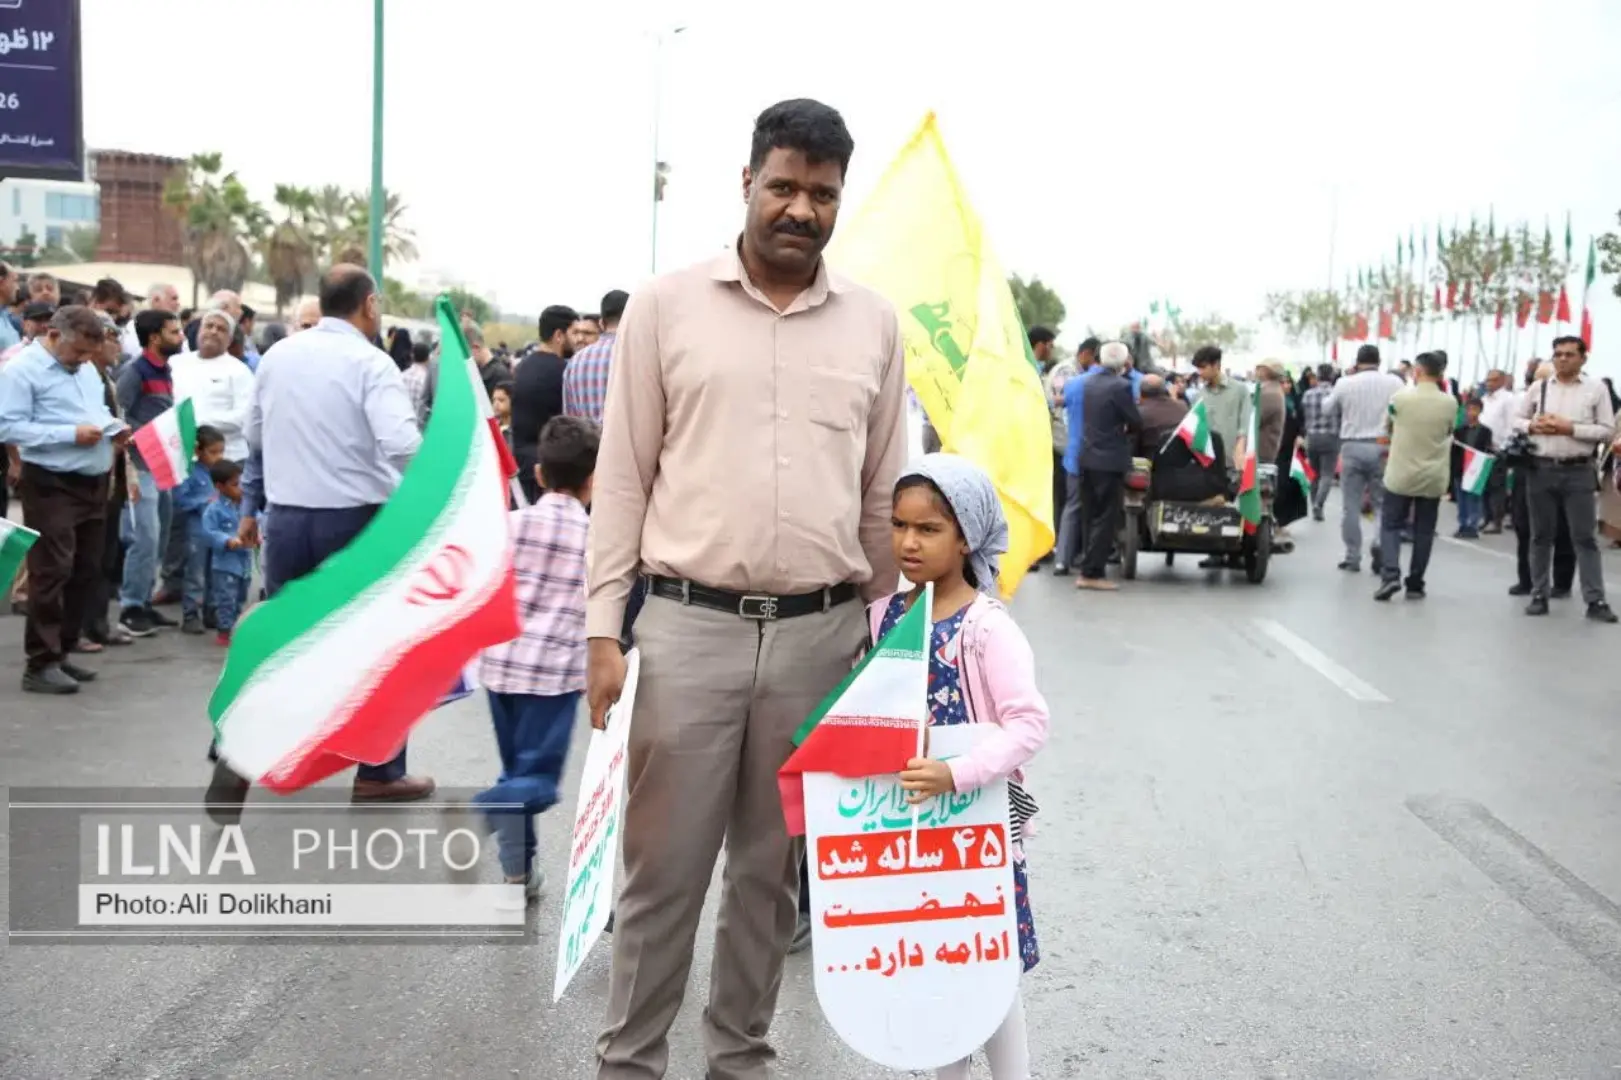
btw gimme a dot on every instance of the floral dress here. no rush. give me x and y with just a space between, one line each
947 706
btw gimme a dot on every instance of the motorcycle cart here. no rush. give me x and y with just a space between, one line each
1207 528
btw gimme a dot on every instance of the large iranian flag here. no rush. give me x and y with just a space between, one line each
167 444
342 662
1194 430
1249 484
14 544
872 723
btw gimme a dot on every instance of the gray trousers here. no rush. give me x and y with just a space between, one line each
1567 487
1070 523
1362 468
1322 454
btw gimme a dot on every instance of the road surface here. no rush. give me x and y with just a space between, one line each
1287 832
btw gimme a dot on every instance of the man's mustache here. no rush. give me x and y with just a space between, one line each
807 229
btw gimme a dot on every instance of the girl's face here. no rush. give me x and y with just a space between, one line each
210 453
502 404
925 540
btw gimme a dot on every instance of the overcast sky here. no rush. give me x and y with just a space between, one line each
1186 149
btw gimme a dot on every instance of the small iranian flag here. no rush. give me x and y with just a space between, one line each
1477 469
1587 290
873 721
1301 472
337 667
14 544
167 443
1194 430
1249 485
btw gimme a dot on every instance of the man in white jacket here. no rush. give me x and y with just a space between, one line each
220 386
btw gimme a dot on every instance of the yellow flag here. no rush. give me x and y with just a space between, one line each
919 243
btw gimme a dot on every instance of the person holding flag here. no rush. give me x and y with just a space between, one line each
145 393
1420 420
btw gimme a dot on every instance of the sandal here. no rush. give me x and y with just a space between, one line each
87 647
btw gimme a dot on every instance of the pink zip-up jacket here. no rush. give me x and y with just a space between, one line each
998 675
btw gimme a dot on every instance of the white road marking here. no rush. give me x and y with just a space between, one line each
1316 659
1478 548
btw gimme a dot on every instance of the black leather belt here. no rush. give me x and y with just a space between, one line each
761 606
1585 459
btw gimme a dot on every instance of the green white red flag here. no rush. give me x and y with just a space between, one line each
14 544
167 443
1301 472
1477 470
872 723
1194 430
338 666
1249 484
1587 290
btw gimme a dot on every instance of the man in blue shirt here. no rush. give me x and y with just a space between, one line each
53 408
1072 523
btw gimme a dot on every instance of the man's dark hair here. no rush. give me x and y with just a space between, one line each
1040 334
247 314
1206 355
814 129
504 384
421 351
149 324
568 452
78 319
1091 345
613 305
208 435
555 318
1367 355
1325 372
1432 364
109 291
344 290
224 471
1570 339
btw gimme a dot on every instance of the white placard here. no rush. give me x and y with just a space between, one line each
916 948
588 899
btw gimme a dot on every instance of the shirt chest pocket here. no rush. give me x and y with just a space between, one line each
837 399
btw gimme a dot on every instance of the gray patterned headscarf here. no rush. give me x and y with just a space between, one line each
972 498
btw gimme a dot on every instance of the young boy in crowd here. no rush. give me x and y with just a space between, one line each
534 682
1476 436
189 500
230 569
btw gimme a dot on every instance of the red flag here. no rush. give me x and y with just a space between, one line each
1452 295
1387 328
1499 324
1438 298
1469 294
1563 314
1334 354
1587 328
1362 328
1544 307
1523 312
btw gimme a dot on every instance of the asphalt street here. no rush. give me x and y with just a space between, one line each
1286 832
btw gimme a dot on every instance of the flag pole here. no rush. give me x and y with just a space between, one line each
375 225
927 600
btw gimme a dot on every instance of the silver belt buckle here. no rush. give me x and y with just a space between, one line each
763 608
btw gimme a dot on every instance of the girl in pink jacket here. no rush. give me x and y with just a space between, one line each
949 529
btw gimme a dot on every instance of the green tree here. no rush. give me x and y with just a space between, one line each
292 245
400 301
1181 339
221 223
83 242
1316 315
1037 304
25 252
471 304
1610 245
347 232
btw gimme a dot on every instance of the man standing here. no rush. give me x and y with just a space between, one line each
1067 397
1568 417
1420 420
1111 423
53 409
1041 347
585 381
11 327
1362 400
1321 425
331 427
220 386
537 391
752 438
145 391
1497 416
1226 403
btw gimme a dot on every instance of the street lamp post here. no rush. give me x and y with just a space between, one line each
375 233
658 108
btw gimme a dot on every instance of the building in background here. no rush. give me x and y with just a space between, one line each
135 225
48 210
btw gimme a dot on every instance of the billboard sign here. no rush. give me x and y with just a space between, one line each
41 99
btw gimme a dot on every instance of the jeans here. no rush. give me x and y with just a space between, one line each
1471 511
1070 526
1100 492
1322 452
194 570
150 520
228 593
1396 512
1362 468
1567 489
532 734
1564 556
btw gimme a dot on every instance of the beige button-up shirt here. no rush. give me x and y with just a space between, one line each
1585 403
745 448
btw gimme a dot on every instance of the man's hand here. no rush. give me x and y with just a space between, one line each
248 532
604 677
14 471
86 435
233 544
121 440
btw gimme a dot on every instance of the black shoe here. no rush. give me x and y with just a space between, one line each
137 622
1415 592
1213 562
210 619
225 795
1559 594
50 680
160 620
77 673
609 929
1060 570
1537 606
1387 589
1350 566
191 624
1519 590
1600 612
1316 514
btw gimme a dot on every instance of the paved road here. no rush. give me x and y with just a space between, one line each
1288 833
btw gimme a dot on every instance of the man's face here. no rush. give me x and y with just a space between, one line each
110 352
370 322
45 291
213 337
1043 351
1568 360
71 350
166 299
792 208
584 332
1085 359
563 343
1210 374
309 313
1494 381
35 327
170 338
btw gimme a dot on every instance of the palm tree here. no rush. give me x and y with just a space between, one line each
220 220
292 245
399 242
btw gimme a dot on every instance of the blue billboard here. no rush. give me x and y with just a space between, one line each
41 98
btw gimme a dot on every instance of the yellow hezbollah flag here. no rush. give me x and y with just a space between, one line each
919 243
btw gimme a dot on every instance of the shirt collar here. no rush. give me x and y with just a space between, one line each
332 324
155 358
728 267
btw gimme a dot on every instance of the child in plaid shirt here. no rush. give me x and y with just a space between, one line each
535 681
